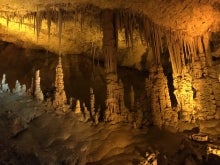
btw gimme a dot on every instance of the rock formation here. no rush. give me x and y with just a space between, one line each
184 95
77 108
92 103
4 86
150 159
60 96
86 113
30 91
213 149
19 89
38 92
115 109
159 98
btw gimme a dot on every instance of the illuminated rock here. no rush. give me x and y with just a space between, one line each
92 103
19 89
77 108
60 99
30 91
184 95
115 108
4 85
159 98
213 149
86 113
38 92
151 159
199 137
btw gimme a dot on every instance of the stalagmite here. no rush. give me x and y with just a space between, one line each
19 89
38 92
30 91
92 103
60 96
97 115
85 112
4 85
77 108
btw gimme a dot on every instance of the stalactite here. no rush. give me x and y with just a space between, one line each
206 41
60 23
8 19
34 17
48 23
132 96
38 23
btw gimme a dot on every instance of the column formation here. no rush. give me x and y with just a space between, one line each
184 95
159 98
60 96
205 83
115 108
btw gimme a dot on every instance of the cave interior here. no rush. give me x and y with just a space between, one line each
110 82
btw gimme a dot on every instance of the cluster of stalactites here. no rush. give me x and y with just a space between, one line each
60 13
182 48
185 50
150 33
52 13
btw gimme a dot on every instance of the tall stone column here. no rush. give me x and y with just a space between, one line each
60 96
184 95
159 98
205 84
115 90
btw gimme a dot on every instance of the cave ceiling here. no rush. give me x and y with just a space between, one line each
25 22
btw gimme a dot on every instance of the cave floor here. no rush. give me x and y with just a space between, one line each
32 133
